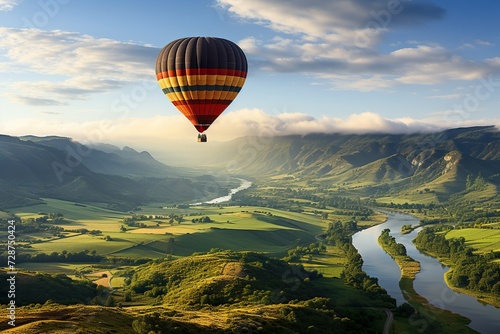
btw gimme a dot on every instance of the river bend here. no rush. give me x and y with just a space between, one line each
429 282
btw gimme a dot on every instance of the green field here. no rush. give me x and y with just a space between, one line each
233 227
55 267
70 210
482 240
90 242
330 264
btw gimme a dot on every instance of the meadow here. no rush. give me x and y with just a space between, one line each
482 240
240 228
230 227
71 210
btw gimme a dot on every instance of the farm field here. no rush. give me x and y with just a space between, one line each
232 227
90 242
55 267
329 264
91 271
482 240
70 210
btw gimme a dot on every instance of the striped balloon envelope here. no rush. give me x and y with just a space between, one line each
201 76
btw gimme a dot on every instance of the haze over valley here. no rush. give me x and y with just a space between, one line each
264 166
81 211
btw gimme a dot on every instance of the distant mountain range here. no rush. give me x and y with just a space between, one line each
107 159
57 167
445 162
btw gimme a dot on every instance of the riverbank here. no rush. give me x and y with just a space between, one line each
428 317
487 298
484 297
481 296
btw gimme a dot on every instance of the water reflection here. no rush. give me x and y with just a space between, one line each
429 282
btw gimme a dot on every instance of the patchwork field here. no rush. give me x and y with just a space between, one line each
89 270
90 242
232 227
70 210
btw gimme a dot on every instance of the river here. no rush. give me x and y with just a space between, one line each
245 184
429 282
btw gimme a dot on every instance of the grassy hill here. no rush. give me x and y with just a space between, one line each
33 288
223 278
220 292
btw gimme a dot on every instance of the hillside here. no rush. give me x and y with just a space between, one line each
220 292
107 159
441 162
223 278
59 168
57 288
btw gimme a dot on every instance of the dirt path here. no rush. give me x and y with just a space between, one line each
388 321
100 280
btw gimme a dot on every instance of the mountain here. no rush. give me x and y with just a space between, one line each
105 158
442 164
60 168
442 161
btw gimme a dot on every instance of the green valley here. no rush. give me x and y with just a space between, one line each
276 258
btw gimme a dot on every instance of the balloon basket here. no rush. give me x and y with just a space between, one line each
202 138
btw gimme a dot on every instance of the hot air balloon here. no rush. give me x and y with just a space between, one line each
201 76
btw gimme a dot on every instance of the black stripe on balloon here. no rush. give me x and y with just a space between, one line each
178 89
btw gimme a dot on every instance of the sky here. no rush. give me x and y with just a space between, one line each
86 68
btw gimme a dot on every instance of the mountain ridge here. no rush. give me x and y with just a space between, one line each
112 160
442 160
60 168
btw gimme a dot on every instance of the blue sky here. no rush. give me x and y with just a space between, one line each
85 68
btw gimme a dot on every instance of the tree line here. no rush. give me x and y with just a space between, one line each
64 256
477 272
340 234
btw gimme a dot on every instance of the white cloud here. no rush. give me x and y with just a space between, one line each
78 65
162 135
445 97
366 70
319 18
339 41
256 122
483 42
37 101
6 5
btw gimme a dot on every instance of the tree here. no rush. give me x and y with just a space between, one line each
148 323
127 296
